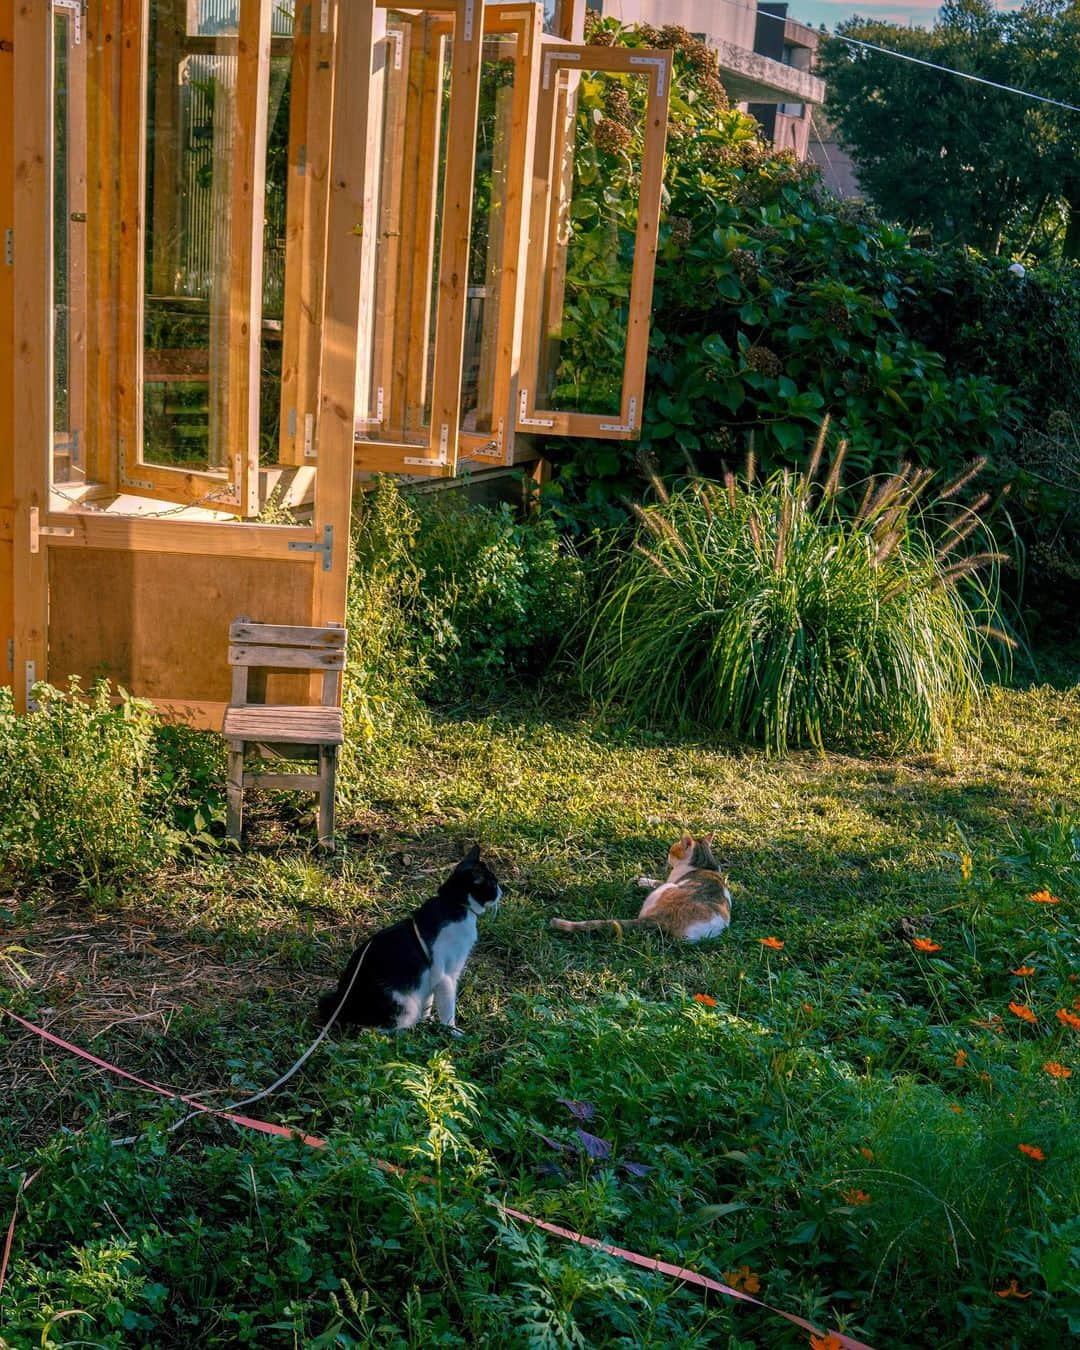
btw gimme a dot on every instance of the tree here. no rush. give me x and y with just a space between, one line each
976 165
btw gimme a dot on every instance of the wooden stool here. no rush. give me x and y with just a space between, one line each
282 731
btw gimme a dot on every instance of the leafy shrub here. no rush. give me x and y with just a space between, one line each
767 612
498 592
77 788
451 592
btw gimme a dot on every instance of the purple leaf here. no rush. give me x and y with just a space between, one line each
579 1110
553 1143
635 1169
596 1148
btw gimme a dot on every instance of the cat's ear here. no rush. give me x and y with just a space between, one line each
471 857
687 839
707 839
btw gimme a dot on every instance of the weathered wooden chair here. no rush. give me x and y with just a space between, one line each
284 731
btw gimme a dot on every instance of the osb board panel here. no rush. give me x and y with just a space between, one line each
158 624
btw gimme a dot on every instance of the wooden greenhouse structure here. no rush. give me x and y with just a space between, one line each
254 250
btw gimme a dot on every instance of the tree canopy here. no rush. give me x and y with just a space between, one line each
976 165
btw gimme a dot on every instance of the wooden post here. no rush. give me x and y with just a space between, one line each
32 404
7 351
351 212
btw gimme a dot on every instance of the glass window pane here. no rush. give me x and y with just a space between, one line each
596 167
69 250
190 114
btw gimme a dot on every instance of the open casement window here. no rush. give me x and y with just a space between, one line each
420 173
190 145
597 177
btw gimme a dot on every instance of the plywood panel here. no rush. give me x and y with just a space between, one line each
159 624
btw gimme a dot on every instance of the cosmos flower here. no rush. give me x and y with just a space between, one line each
704 998
925 945
1056 1070
1045 898
1023 970
773 943
1032 1151
1022 1011
1068 1019
1012 1290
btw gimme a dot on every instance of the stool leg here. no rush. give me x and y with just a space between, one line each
327 787
234 791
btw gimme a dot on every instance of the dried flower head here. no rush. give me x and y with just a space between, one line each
1012 1290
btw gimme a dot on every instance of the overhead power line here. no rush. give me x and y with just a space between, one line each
918 61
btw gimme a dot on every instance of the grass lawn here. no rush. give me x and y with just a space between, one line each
838 1126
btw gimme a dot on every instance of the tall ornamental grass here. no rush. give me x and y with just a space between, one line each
766 611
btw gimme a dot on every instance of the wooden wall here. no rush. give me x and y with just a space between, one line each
158 624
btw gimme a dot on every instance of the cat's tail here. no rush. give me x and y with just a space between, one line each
580 926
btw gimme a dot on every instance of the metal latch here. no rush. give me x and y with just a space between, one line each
326 548
37 530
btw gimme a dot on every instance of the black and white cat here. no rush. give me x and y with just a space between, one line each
417 962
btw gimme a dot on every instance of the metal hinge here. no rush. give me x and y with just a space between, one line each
9 247
523 420
11 655
444 452
326 548
74 8
301 159
32 704
309 436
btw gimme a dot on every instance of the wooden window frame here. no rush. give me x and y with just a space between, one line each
439 457
234 489
656 66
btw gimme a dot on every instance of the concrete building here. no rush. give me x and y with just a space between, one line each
765 58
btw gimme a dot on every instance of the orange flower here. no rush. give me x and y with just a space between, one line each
994 1024
774 943
1045 898
704 998
925 945
868 1154
1022 1011
956 1110
809 1007
1068 1019
1056 1070
1033 1151
1023 970
830 1341
743 1278
961 1058
855 1197
1012 1290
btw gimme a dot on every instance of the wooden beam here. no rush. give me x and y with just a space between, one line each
291 416
223 539
7 349
351 211
131 150
32 329
102 273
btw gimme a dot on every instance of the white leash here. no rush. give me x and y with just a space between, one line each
247 1101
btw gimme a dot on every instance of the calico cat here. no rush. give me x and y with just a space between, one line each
418 961
694 902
